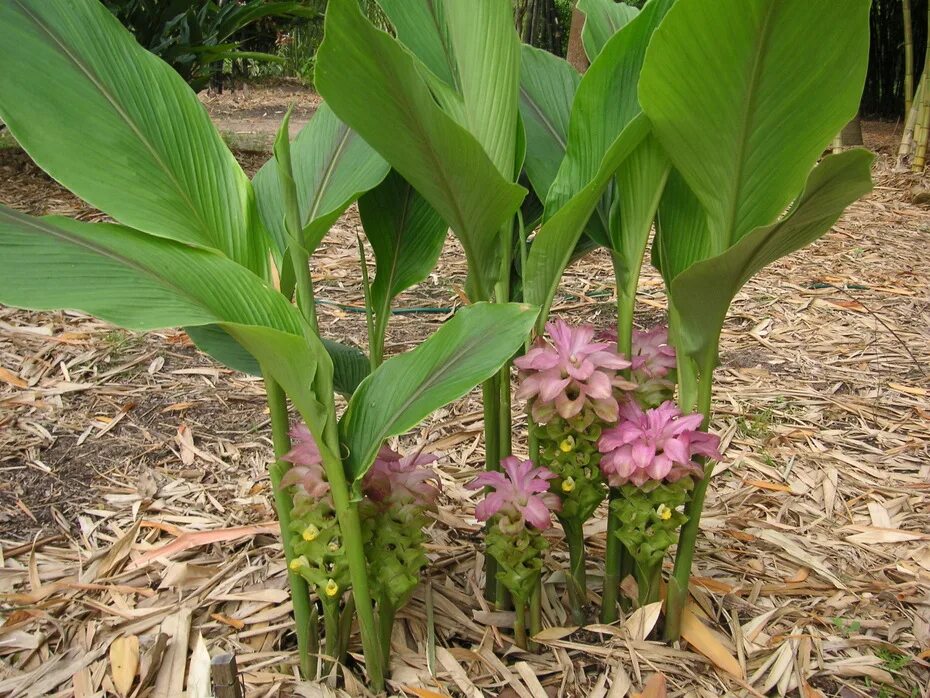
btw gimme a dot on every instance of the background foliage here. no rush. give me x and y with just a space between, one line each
884 88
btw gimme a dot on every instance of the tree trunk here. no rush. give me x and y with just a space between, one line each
576 54
537 22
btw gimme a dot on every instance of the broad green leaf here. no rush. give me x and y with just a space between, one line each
120 128
682 237
603 19
300 365
372 83
350 366
406 235
745 95
215 341
605 103
466 350
487 54
332 167
703 292
421 27
547 89
142 283
640 182
555 242
134 280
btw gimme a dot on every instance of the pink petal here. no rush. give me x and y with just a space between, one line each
569 408
606 409
642 454
550 387
599 386
677 450
537 514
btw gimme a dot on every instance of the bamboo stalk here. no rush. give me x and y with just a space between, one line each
908 57
920 140
907 139
923 122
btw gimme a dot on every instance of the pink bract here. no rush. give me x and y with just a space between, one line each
520 492
400 479
307 471
657 444
570 372
653 356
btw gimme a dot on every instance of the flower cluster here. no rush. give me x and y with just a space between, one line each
653 356
519 507
396 479
398 490
520 495
307 471
572 372
653 369
657 444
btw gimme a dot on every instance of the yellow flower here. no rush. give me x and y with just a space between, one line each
311 533
567 445
331 588
568 485
664 512
298 563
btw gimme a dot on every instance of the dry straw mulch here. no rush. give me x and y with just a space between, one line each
135 506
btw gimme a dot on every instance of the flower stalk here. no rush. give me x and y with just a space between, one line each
300 592
677 592
518 507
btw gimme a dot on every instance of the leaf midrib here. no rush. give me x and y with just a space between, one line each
543 118
47 229
749 110
447 366
334 157
63 48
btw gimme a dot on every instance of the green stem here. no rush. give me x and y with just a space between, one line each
505 449
492 462
331 630
536 611
369 311
519 623
300 592
386 615
577 582
306 302
613 557
505 416
613 564
351 528
649 582
677 594
345 628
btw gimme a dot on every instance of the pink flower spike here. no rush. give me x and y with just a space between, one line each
653 356
658 444
395 479
573 371
307 471
520 493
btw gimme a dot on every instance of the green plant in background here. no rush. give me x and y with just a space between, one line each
190 249
193 37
